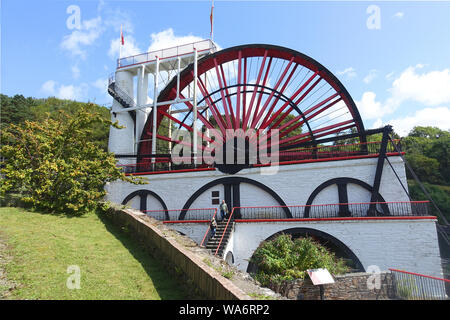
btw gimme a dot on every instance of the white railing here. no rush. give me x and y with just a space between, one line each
182 50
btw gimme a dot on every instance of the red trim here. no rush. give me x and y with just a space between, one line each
172 171
338 219
331 204
420 275
326 159
187 221
178 210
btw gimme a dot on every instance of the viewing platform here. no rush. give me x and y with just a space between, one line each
167 57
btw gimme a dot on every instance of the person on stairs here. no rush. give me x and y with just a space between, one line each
213 226
223 210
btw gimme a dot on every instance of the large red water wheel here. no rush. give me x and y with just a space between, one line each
260 87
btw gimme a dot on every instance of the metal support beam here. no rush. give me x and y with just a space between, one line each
379 171
155 107
195 111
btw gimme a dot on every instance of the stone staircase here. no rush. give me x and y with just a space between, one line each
213 242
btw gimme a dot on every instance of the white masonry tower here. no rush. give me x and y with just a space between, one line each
130 89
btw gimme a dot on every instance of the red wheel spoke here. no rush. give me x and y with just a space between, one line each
250 107
187 127
212 107
224 102
230 105
238 96
291 99
255 113
265 123
314 132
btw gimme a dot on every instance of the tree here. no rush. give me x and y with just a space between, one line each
53 164
428 150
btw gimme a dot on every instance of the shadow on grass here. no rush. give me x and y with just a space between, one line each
164 282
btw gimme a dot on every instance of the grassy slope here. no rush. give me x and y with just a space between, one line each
112 266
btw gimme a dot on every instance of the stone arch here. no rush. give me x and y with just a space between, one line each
323 237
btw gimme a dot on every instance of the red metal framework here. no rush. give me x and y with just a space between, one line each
259 87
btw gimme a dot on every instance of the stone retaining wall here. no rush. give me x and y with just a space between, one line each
346 287
176 256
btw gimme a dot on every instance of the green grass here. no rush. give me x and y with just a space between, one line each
112 265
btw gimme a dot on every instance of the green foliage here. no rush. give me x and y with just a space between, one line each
16 110
428 151
284 259
439 194
55 166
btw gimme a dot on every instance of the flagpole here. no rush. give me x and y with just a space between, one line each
120 39
211 17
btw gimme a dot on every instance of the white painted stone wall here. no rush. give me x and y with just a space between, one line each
121 141
409 245
195 231
293 183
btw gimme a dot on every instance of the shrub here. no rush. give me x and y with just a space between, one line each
284 259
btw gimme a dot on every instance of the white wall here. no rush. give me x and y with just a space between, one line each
293 183
195 231
121 141
409 245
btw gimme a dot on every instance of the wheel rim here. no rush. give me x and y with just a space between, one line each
260 87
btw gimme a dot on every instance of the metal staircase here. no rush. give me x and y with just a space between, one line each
119 94
221 230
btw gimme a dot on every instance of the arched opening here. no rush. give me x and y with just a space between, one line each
328 241
142 196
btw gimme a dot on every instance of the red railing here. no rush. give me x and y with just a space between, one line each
334 210
207 230
296 156
416 286
224 231
189 215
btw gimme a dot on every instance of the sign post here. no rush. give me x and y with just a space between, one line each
319 277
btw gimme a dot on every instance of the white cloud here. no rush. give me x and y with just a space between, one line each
370 76
101 84
348 72
49 87
399 15
369 108
76 42
167 39
129 48
75 71
69 92
435 117
430 89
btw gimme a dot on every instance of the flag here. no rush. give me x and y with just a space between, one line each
121 36
211 20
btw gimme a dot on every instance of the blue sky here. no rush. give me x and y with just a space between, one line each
397 70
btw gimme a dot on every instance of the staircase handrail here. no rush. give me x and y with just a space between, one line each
224 231
122 94
207 230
